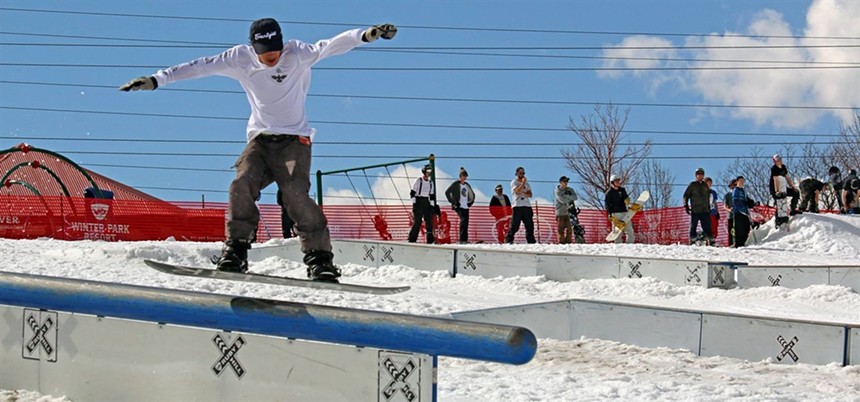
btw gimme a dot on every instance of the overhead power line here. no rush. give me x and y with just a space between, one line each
333 122
476 69
430 27
413 143
465 100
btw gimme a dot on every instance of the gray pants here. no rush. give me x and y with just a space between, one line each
284 160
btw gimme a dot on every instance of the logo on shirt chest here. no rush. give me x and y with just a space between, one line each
279 77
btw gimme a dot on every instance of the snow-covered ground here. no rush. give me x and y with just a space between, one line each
585 369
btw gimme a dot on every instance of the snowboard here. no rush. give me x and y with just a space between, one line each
618 225
783 208
271 280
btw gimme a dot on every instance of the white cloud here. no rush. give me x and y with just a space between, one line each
818 87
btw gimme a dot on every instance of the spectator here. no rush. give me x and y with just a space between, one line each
698 206
740 207
715 212
727 205
835 181
522 211
565 199
286 222
616 201
500 208
810 192
780 169
423 196
461 197
851 193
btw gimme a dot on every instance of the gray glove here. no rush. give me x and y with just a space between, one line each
384 31
148 83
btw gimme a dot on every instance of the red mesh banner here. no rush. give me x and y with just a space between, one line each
74 218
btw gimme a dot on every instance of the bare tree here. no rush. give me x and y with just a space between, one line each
847 153
652 176
756 172
602 152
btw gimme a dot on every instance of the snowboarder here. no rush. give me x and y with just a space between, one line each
616 201
697 204
275 76
565 199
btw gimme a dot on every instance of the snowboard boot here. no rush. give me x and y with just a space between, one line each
234 257
320 266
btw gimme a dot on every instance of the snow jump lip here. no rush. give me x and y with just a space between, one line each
395 331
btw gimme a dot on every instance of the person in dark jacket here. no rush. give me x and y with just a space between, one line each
565 199
834 177
616 201
697 204
500 208
810 191
740 207
730 214
423 196
461 197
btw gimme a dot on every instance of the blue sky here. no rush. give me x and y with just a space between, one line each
451 106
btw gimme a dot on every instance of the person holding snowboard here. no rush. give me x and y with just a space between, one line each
616 201
780 169
275 76
715 211
697 204
565 200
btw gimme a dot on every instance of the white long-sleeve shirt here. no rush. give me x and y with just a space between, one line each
276 94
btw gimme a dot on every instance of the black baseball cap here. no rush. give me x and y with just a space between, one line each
563 178
266 36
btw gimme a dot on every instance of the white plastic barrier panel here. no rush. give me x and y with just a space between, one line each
788 277
87 357
678 272
632 325
546 320
848 277
854 346
355 252
783 341
569 268
491 263
423 257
